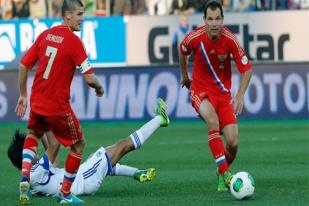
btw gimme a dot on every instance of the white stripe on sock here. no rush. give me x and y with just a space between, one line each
140 136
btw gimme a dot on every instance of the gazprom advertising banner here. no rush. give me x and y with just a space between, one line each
275 92
104 39
280 36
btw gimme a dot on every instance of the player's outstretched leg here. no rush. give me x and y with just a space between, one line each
24 191
160 120
161 110
68 200
145 175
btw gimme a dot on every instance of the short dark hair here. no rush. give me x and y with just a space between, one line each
213 5
68 5
15 150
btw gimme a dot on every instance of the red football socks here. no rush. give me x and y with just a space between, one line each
217 149
71 167
29 151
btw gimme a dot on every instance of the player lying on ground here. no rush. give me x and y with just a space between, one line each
46 179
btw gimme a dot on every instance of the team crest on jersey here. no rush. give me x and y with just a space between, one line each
222 58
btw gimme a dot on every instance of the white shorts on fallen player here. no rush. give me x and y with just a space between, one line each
47 180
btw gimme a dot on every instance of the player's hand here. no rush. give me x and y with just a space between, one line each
238 104
99 91
186 82
21 106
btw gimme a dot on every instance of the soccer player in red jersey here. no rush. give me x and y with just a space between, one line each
58 52
212 45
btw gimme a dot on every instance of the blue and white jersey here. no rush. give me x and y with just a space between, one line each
47 180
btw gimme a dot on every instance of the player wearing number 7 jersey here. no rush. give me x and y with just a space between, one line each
57 52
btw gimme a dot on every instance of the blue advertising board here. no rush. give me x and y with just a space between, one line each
104 39
279 91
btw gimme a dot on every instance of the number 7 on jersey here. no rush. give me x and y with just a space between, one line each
51 53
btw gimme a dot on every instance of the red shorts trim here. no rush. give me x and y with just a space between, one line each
221 103
66 128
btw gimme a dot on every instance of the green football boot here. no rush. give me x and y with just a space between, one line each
145 175
227 178
221 184
161 111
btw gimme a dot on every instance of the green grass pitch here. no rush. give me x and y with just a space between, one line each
276 153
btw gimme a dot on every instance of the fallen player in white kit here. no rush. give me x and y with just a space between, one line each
46 179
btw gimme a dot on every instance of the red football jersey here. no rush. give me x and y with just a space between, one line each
212 59
58 52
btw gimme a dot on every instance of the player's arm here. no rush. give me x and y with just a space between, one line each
184 52
183 63
27 62
21 106
82 62
245 68
238 100
93 82
90 77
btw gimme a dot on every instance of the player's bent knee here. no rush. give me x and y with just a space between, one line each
213 124
79 146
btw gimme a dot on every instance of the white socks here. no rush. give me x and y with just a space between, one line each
140 136
124 170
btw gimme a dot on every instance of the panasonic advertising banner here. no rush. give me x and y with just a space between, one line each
275 92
